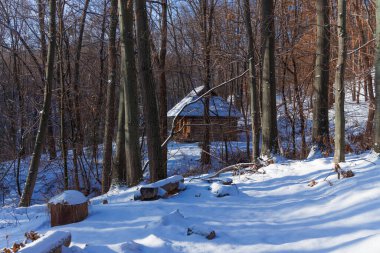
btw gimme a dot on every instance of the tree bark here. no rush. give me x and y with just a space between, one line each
207 30
129 83
320 138
33 168
61 79
339 155
376 146
253 90
110 104
148 93
163 103
269 110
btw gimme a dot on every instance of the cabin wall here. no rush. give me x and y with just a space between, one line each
191 129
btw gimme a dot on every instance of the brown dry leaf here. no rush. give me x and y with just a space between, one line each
312 183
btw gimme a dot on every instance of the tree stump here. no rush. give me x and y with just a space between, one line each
68 207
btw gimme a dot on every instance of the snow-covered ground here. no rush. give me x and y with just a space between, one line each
272 212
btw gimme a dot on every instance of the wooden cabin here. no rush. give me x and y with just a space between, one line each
189 118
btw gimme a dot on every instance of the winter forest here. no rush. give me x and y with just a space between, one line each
189 126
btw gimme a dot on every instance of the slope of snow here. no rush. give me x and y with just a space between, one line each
272 212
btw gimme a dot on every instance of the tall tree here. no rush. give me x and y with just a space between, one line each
339 84
269 110
33 167
253 90
61 6
163 101
207 14
129 84
320 136
148 92
377 79
110 104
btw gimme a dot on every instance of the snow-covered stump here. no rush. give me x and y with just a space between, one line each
161 189
51 242
68 207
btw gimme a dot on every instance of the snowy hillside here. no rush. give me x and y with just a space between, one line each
272 212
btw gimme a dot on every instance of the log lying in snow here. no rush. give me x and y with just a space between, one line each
203 231
161 189
51 242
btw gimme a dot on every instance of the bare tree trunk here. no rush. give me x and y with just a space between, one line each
61 6
33 168
110 104
269 110
207 30
129 83
320 138
102 75
339 155
376 146
119 172
253 91
148 89
163 103
78 137
41 21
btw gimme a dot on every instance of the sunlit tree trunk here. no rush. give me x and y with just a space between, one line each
339 85
129 83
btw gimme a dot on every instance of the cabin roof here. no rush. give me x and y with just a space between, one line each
219 107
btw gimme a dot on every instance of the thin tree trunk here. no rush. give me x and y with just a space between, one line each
148 93
320 137
33 168
252 83
269 110
207 30
61 6
78 138
110 104
129 83
41 21
339 155
97 117
376 146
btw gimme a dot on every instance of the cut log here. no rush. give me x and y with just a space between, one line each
203 231
161 189
51 242
68 207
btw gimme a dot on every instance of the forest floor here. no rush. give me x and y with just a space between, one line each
273 212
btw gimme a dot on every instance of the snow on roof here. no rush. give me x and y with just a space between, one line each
218 106
70 197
